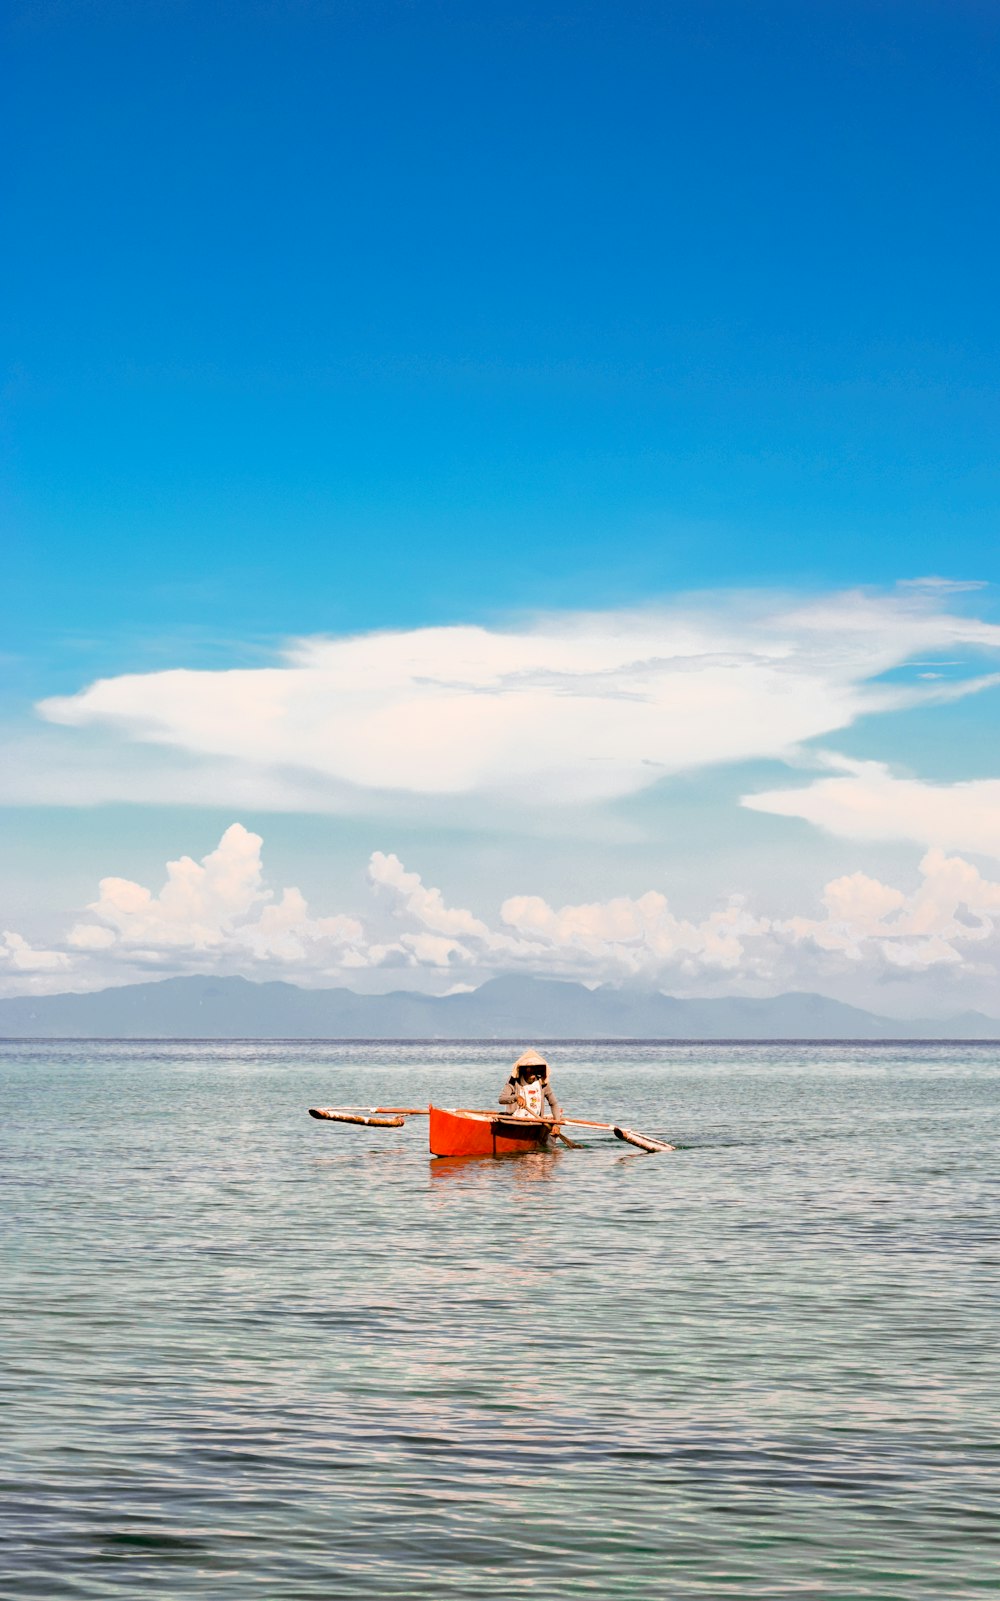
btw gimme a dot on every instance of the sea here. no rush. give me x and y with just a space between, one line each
248 1354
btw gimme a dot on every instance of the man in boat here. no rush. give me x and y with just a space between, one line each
528 1089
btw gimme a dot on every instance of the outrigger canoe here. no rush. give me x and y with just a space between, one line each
463 1131
454 1133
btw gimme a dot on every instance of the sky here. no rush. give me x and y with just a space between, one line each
502 488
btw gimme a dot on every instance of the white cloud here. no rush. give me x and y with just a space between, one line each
954 908
633 938
569 710
951 918
425 905
866 802
219 916
26 970
216 912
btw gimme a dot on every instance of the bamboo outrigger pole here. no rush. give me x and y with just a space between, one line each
335 1115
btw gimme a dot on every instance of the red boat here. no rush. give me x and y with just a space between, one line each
454 1133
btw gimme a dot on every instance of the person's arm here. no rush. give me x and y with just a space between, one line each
508 1095
554 1107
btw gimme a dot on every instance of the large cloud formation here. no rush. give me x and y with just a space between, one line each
569 710
218 915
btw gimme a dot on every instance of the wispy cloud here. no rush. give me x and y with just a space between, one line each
933 584
866 801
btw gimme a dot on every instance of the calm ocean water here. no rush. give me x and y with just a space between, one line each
247 1354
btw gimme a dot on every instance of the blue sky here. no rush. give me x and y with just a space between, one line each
325 319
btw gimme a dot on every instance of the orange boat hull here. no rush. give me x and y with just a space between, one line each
479 1134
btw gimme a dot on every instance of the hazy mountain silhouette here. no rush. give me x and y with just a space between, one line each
504 1008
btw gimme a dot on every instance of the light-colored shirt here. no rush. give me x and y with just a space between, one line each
531 1095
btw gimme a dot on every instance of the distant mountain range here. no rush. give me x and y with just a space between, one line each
504 1008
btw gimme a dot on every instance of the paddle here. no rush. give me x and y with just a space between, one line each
644 1141
564 1139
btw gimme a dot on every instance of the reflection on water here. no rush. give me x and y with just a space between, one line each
518 1169
249 1354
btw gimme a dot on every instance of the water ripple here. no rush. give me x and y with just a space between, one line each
250 1355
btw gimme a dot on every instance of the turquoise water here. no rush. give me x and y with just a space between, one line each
248 1354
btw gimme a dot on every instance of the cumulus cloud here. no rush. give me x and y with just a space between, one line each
953 910
220 908
637 938
951 918
866 802
216 912
569 710
426 906
27 970
218 915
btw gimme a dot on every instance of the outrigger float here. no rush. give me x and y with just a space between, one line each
467 1131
